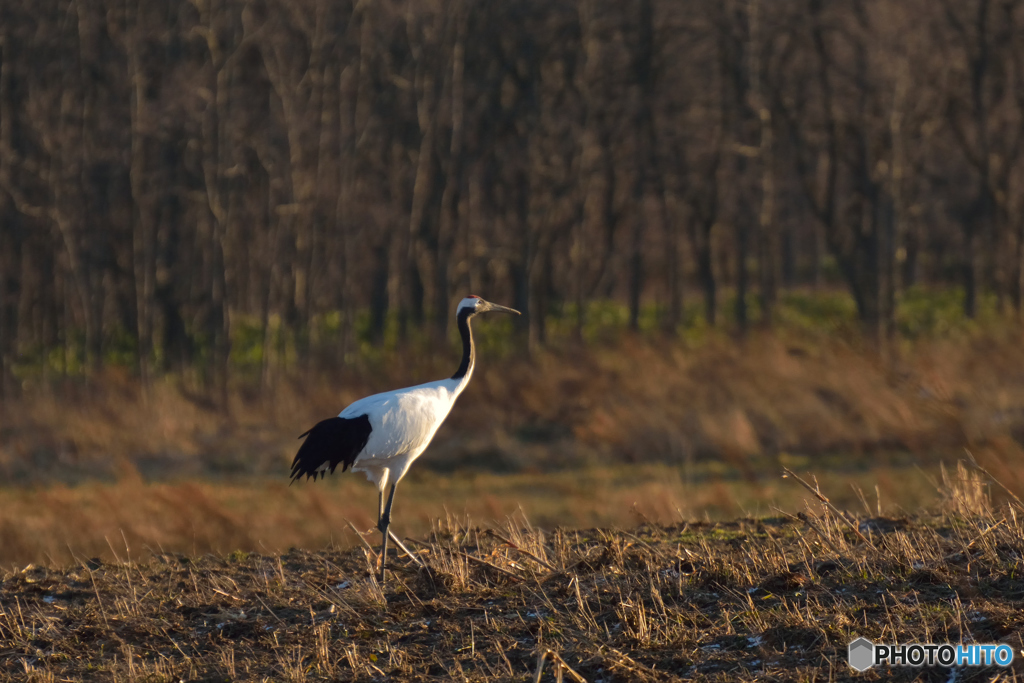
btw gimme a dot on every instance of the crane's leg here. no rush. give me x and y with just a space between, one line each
382 525
380 506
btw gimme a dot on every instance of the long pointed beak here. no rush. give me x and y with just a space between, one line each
501 309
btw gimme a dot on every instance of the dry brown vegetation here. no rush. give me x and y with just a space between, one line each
774 598
631 402
53 524
595 437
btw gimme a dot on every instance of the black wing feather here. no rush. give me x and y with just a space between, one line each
334 440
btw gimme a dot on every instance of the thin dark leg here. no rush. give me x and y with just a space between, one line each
382 525
380 506
383 555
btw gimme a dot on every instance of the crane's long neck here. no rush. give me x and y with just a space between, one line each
465 370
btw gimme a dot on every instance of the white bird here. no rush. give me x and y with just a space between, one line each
382 435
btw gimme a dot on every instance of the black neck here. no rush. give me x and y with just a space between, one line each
468 350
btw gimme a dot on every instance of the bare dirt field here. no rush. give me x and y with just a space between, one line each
773 598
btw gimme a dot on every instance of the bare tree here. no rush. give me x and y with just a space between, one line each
245 186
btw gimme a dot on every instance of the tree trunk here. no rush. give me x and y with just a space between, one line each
700 237
11 259
423 187
768 242
453 177
969 270
143 242
742 234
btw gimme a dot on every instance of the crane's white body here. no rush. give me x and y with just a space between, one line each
404 423
382 435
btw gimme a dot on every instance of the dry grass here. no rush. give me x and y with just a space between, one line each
638 401
51 524
616 437
773 598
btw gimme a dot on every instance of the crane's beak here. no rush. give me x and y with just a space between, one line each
500 309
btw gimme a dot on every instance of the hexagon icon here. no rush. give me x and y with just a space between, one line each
861 654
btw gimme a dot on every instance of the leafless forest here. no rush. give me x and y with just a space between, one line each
325 170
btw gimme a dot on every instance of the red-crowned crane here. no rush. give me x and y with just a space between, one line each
382 435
